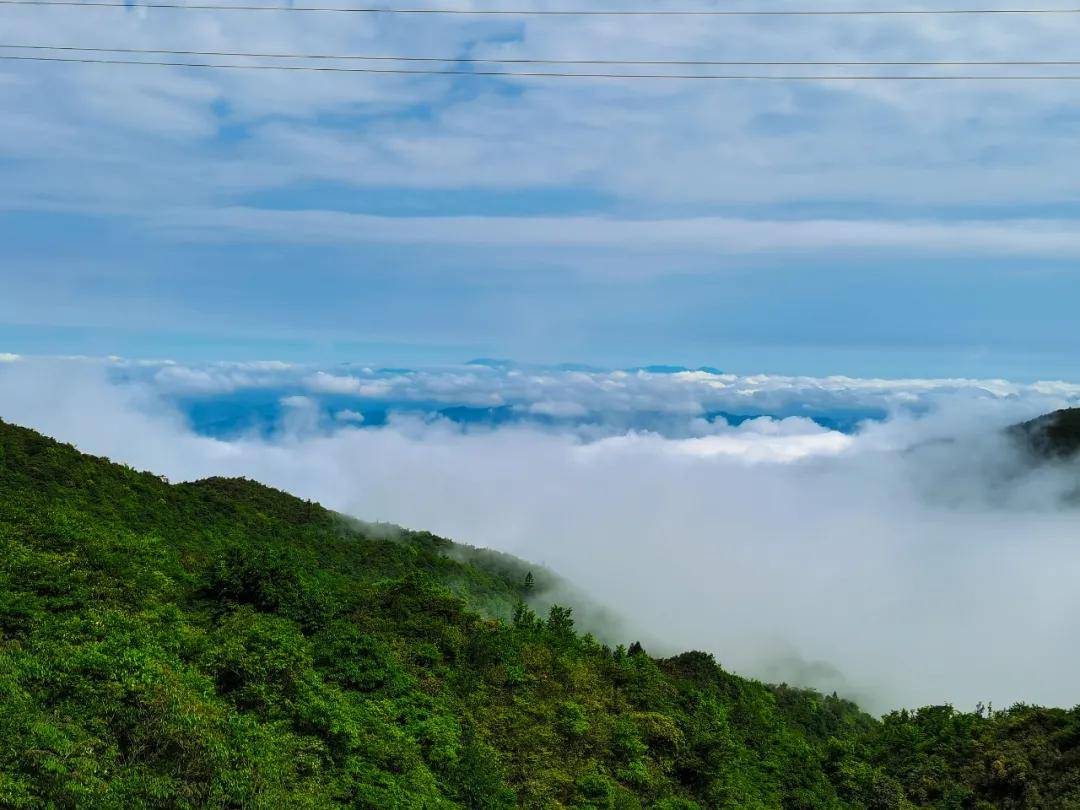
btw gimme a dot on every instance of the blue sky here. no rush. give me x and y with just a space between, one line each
899 229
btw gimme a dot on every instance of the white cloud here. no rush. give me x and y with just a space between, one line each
297 402
558 408
349 416
217 378
773 444
711 236
338 384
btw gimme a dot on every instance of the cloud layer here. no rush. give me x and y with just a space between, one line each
914 561
680 142
673 401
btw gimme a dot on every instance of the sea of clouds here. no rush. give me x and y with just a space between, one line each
881 538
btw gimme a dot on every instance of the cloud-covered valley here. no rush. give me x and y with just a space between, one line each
891 561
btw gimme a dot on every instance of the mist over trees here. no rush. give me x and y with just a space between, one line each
224 644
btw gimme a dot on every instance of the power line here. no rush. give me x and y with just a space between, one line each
537 61
538 74
550 12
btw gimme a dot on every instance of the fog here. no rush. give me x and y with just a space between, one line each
917 561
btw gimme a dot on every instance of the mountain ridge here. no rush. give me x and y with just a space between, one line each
221 643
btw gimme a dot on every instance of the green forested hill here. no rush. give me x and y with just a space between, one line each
223 644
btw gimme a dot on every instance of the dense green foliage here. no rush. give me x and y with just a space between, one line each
223 644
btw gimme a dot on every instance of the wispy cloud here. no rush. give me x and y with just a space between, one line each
711 236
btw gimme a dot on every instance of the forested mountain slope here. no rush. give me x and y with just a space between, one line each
224 644
1055 435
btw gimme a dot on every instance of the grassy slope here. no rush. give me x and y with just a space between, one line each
224 644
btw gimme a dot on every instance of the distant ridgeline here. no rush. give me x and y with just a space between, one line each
224 644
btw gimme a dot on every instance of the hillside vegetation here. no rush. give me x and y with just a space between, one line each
1055 436
224 644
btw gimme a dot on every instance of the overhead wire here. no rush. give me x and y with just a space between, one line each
563 61
727 12
494 61
543 74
